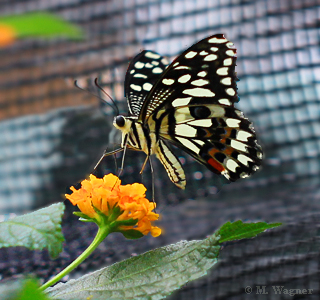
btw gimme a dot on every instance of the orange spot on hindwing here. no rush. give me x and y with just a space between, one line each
212 162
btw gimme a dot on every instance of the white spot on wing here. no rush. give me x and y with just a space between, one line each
230 45
140 75
188 144
234 123
230 91
214 49
184 78
202 122
225 174
244 159
181 101
149 65
182 67
243 135
202 74
147 86
175 64
135 87
226 81
239 113
222 71
167 81
199 82
132 71
155 62
164 61
217 41
185 130
232 165
157 70
210 57
139 65
182 114
201 143
230 52
224 101
244 175
152 55
190 54
227 62
203 52
238 145
199 92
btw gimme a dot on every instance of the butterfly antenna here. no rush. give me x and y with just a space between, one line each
80 88
103 91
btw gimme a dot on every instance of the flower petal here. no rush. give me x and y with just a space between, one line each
117 203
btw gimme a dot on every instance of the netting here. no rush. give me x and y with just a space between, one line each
52 134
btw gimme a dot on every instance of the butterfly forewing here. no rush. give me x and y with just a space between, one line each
144 70
203 74
192 106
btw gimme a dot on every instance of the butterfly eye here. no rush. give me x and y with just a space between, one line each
120 121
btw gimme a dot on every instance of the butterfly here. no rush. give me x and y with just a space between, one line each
189 104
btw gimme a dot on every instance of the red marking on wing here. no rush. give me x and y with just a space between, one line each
215 164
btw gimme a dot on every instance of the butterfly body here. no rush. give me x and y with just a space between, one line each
190 104
137 136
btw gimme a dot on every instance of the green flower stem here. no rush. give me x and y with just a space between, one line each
101 235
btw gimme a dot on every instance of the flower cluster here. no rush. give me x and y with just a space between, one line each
120 204
7 35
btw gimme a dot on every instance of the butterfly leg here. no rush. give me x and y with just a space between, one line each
152 174
122 162
144 164
105 153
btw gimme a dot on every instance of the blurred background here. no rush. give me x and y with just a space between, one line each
52 134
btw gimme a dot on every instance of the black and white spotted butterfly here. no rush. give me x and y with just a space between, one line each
189 103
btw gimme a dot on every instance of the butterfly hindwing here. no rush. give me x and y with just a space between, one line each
224 141
143 71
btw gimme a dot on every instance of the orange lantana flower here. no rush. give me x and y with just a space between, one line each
7 35
116 204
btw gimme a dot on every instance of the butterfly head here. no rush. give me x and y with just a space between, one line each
122 123
119 121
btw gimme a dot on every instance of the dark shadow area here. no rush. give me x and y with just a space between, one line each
84 135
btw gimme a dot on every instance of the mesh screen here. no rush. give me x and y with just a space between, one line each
52 134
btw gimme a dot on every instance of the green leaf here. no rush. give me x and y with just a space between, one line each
37 230
130 222
30 291
41 24
132 234
152 275
239 230
83 217
21 289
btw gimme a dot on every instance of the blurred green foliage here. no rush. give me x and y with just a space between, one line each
41 24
